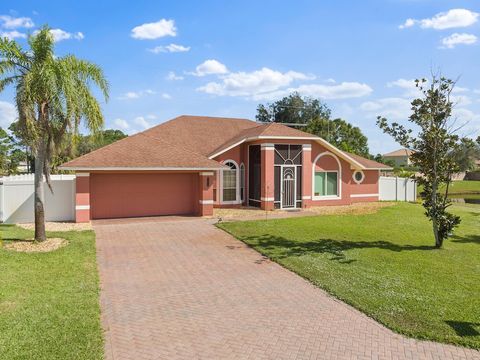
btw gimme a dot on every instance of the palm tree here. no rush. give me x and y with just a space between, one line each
53 96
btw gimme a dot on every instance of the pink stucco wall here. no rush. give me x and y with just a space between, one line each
369 185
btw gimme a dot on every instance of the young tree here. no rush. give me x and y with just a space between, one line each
432 146
52 96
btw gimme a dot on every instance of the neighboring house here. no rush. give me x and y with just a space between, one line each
400 157
191 164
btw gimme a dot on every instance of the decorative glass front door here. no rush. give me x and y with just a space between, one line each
289 186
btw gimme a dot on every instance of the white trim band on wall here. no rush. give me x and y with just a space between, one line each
209 173
82 207
267 147
363 195
206 202
307 147
80 174
267 198
306 197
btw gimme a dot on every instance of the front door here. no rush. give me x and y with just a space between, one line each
289 186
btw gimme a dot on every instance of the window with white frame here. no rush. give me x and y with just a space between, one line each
326 183
242 182
229 182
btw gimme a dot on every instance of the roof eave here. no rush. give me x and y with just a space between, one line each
139 168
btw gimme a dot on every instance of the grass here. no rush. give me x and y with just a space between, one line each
384 265
462 187
49 307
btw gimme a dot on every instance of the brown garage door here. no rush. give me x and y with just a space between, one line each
132 195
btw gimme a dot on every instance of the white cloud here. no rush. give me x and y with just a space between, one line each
250 84
166 96
154 30
151 116
122 124
8 114
14 34
461 100
392 108
454 18
210 67
130 95
455 39
172 48
172 76
408 85
342 90
140 121
10 22
59 35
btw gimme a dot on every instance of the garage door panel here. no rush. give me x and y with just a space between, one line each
133 195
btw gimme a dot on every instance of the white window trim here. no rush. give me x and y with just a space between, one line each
237 185
339 178
363 176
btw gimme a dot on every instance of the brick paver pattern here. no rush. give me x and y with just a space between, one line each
183 289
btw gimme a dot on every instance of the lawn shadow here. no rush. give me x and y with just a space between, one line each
283 248
464 328
468 239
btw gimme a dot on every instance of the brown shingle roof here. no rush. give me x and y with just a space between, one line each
399 152
142 151
201 134
186 142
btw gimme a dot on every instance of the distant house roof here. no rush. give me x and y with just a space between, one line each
191 142
399 152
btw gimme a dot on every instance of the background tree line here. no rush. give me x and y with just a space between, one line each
16 156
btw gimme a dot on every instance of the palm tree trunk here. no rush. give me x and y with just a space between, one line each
39 197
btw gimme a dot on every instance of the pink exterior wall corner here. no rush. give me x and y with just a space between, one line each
82 197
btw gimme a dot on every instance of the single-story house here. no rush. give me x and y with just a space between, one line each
191 164
400 157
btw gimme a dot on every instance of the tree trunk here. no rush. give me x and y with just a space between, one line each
438 240
39 198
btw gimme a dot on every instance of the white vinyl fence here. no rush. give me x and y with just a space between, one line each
397 189
16 199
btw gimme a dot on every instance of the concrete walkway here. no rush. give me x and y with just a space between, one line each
179 288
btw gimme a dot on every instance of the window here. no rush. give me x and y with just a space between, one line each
358 176
242 182
326 183
229 182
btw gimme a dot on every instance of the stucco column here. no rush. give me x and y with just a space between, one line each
267 179
82 197
306 175
205 191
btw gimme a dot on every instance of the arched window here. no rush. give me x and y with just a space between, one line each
242 182
327 179
230 182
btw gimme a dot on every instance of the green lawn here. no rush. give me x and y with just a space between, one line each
384 265
49 306
462 187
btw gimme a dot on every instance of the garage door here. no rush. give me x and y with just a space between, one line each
133 195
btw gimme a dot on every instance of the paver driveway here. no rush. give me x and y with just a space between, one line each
183 289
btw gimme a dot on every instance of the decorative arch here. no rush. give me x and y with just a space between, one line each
339 178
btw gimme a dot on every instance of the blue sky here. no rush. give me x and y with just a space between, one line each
219 58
